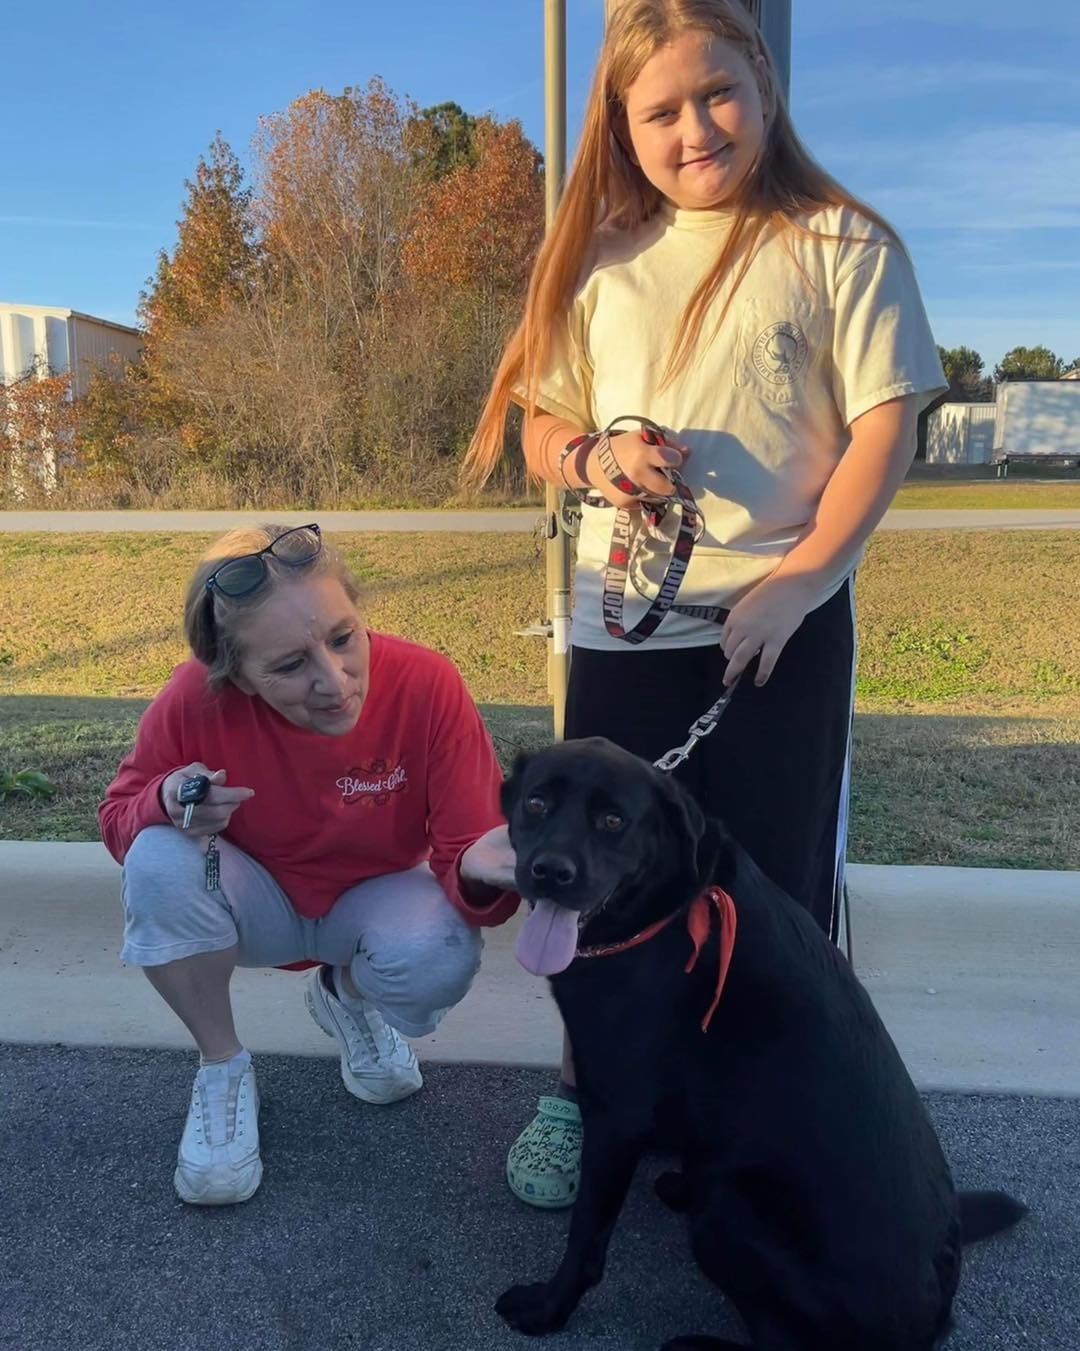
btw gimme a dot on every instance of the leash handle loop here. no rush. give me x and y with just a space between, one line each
623 546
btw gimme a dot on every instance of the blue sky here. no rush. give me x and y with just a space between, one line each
958 119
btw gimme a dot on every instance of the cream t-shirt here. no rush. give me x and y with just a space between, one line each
819 332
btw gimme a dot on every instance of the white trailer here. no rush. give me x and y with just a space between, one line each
1037 421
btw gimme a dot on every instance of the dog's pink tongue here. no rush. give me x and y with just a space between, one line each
547 940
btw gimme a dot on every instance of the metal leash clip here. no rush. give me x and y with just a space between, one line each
697 731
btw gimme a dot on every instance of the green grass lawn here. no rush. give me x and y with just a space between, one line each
968 727
1007 494
1017 491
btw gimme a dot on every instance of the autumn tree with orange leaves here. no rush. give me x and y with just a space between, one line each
478 228
324 329
215 258
37 421
470 243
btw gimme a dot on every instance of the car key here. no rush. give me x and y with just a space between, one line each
192 791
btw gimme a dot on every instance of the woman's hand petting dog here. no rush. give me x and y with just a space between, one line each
490 860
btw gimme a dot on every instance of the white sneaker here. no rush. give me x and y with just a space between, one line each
218 1162
377 1063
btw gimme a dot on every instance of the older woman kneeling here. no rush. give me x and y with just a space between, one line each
303 790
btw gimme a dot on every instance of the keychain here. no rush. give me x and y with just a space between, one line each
193 791
213 865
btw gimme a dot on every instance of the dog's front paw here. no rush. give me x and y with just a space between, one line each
533 1309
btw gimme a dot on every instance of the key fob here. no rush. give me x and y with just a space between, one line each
193 790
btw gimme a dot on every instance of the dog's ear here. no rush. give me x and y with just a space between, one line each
510 791
684 814
704 850
686 823
716 852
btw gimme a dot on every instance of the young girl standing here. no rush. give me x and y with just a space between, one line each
705 272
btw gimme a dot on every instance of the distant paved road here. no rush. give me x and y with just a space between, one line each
466 522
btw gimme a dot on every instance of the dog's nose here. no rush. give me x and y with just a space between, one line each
554 868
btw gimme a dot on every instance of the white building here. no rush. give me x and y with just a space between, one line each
41 340
53 341
1029 419
961 433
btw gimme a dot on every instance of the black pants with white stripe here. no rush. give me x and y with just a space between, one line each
775 770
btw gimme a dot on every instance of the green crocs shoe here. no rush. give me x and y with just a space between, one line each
543 1167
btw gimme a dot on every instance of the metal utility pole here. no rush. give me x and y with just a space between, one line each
557 543
774 19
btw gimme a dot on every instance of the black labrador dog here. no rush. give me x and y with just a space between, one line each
818 1197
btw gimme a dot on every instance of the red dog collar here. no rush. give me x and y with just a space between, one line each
698 921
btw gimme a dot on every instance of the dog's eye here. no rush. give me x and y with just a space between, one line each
535 805
610 821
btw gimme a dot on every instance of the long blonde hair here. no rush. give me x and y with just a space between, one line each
605 189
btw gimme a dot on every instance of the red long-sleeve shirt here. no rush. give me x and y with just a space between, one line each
415 779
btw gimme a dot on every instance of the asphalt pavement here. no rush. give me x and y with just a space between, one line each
391 1229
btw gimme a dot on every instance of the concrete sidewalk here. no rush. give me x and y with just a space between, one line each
974 971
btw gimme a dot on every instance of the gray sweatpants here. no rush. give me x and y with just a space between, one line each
409 951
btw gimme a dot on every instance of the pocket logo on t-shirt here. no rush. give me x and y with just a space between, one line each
780 352
372 783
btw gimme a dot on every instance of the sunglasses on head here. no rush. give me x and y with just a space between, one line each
240 576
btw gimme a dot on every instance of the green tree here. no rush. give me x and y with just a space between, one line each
964 371
443 138
1029 363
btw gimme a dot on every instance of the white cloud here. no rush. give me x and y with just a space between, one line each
1020 177
858 84
1051 265
60 223
1061 17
